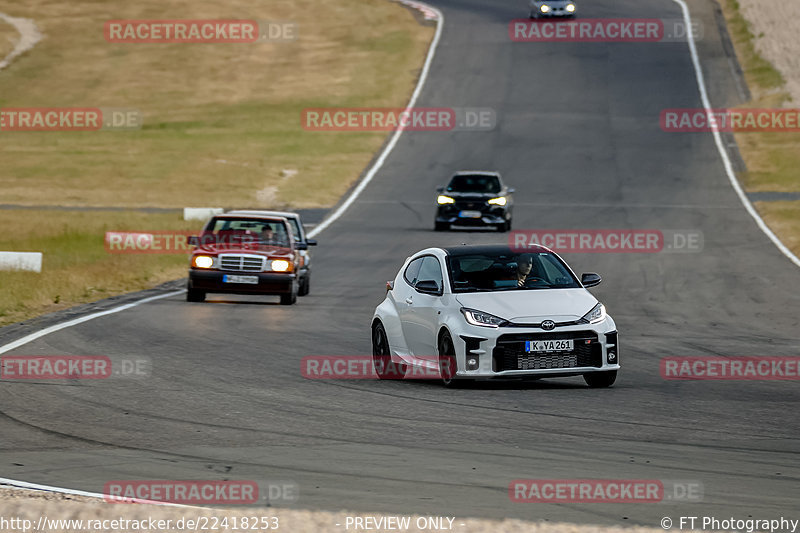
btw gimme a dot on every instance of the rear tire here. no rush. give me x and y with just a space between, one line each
382 362
447 360
195 295
600 380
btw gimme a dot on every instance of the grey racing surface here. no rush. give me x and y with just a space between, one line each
578 136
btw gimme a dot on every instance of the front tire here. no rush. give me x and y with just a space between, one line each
600 380
305 286
447 360
440 226
382 362
195 295
291 298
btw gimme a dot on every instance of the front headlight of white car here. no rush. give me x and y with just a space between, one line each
571 8
479 318
545 8
597 314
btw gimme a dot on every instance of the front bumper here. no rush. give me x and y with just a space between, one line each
555 11
268 283
486 353
490 215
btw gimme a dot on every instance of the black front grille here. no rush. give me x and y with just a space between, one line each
509 352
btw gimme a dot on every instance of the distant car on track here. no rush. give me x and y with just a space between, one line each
301 243
474 199
244 254
490 311
552 8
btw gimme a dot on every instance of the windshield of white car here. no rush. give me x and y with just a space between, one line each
506 272
476 183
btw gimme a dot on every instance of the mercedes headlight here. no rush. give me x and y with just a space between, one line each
479 318
597 314
203 261
280 265
442 199
498 201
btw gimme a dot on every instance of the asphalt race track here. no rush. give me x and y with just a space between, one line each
578 136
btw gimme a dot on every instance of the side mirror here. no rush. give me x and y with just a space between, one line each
193 240
440 189
590 279
311 242
301 246
427 286
511 190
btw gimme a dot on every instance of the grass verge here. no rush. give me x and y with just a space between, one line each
8 38
221 127
772 158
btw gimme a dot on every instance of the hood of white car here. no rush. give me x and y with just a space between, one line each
531 305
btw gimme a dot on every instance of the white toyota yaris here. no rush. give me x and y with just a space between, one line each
493 311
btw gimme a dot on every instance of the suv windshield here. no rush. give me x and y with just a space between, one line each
475 183
502 272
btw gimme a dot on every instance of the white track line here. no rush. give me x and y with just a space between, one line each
24 485
56 327
316 231
726 161
396 137
29 35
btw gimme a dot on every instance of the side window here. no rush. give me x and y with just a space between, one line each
412 270
295 228
431 270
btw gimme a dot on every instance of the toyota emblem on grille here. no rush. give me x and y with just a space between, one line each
548 325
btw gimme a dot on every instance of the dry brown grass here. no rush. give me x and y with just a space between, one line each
76 266
221 121
8 38
221 124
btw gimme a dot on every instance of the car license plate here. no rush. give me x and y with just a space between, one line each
229 278
470 214
549 346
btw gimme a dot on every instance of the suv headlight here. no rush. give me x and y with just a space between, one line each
479 318
498 201
442 199
597 314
